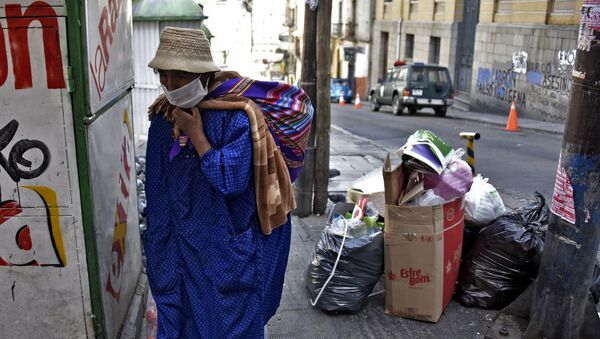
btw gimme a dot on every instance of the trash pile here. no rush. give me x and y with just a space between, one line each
422 201
424 225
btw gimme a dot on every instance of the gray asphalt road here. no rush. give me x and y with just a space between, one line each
522 161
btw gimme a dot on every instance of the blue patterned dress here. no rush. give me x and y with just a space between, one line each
211 271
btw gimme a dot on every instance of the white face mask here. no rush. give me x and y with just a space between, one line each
186 96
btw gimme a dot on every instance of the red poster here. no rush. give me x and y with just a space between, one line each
563 204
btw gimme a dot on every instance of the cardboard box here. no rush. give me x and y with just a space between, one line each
422 251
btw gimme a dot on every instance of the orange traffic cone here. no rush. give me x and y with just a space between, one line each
342 102
512 124
357 103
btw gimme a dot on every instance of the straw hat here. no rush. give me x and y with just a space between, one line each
183 49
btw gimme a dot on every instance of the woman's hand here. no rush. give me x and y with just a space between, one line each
192 125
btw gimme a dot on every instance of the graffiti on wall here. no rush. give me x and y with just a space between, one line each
28 240
18 20
519 60
106 28
566 60
16 156
32 241
116 274
22 244
500 84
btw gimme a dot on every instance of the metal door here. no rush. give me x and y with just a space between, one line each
42 255
466 45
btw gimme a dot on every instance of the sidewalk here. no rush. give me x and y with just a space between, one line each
500 120
296 318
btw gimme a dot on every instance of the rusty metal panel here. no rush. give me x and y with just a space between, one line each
114 183
42 254
109 50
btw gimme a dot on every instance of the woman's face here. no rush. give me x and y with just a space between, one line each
173 79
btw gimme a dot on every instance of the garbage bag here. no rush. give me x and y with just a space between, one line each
595 289
483 204
454 182
359 268
505 258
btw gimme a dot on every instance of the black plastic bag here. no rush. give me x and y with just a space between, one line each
360 267
595 289
505 258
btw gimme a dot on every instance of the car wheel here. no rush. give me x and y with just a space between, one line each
374 104
441 111
396 106
412 110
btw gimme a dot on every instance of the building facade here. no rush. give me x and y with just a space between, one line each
415 31
351 31
525 53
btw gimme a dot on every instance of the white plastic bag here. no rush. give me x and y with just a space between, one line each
429 198
483 204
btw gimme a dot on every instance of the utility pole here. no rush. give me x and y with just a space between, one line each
308 82
558 304
565 276
352 60
323 118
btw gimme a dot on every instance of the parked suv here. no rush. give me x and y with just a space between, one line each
414 87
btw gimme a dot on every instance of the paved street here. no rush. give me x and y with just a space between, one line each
518 164
522 161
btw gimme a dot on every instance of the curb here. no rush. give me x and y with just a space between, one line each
132 327
496 123
345 131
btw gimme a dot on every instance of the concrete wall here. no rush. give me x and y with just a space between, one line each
528 64
393 28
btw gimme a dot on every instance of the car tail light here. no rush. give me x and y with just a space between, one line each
405 92
451 94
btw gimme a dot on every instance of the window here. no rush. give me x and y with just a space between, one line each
387 0
390 75
439 9
402 74
434 50
383 53
410 46
563 6
418 74
413 7
437 75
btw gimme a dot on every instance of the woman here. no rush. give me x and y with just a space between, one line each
215 261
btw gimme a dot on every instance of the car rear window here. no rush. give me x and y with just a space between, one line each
437 75
418 74
339 82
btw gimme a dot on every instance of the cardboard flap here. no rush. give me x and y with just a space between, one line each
394 181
